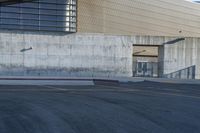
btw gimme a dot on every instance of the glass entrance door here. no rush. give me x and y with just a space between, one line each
145 69
142 69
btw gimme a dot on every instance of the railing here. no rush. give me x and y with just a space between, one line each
155 69
186 73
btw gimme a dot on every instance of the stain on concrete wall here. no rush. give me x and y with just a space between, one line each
81 54
64 55
182 55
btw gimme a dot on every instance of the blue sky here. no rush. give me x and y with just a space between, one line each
194 1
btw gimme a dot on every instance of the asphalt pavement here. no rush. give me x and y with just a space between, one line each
142 107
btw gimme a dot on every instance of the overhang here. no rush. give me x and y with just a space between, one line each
7 2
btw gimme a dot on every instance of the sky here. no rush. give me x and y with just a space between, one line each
197 1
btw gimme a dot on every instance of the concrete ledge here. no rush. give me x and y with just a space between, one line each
48 82
42 78
14 80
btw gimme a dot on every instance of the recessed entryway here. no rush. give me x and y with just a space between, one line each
146 60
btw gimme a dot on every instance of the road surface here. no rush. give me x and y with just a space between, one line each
144 107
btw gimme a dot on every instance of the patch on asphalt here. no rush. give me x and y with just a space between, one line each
106 82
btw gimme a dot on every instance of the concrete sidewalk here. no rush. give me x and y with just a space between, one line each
15 80
48 82
172 81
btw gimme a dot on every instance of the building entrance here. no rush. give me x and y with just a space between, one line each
146 69
145 61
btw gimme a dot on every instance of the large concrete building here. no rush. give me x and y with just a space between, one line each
109 38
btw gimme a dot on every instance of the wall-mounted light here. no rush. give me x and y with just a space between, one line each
26 49
174 41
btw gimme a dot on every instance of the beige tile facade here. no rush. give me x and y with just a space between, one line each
139 17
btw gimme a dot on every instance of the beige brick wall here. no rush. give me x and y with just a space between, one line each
139 17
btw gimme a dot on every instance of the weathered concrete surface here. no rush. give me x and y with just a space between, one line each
57 54
176 57
182 55
64 55
87 55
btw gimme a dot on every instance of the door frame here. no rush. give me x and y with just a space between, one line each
159 57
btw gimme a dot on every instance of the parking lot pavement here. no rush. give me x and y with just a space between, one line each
143 107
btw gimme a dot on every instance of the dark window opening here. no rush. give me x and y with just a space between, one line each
44 15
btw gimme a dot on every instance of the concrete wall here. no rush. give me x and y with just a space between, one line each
57 54
139 17
182 55
64 55
175 59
